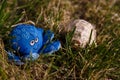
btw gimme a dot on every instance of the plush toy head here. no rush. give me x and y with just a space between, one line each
26 39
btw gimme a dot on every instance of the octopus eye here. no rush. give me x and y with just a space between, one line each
36 40
32 42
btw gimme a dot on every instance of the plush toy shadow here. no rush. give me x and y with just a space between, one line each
30 42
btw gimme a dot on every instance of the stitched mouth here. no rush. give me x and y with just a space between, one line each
36 48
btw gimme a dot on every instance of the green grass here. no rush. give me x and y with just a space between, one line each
89 63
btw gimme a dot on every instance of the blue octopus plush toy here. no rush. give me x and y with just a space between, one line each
30 41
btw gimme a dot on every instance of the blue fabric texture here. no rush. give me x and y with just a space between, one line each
30 42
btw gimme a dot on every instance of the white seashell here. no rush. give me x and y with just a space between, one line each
84 34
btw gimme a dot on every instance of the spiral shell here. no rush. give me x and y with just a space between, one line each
85 32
